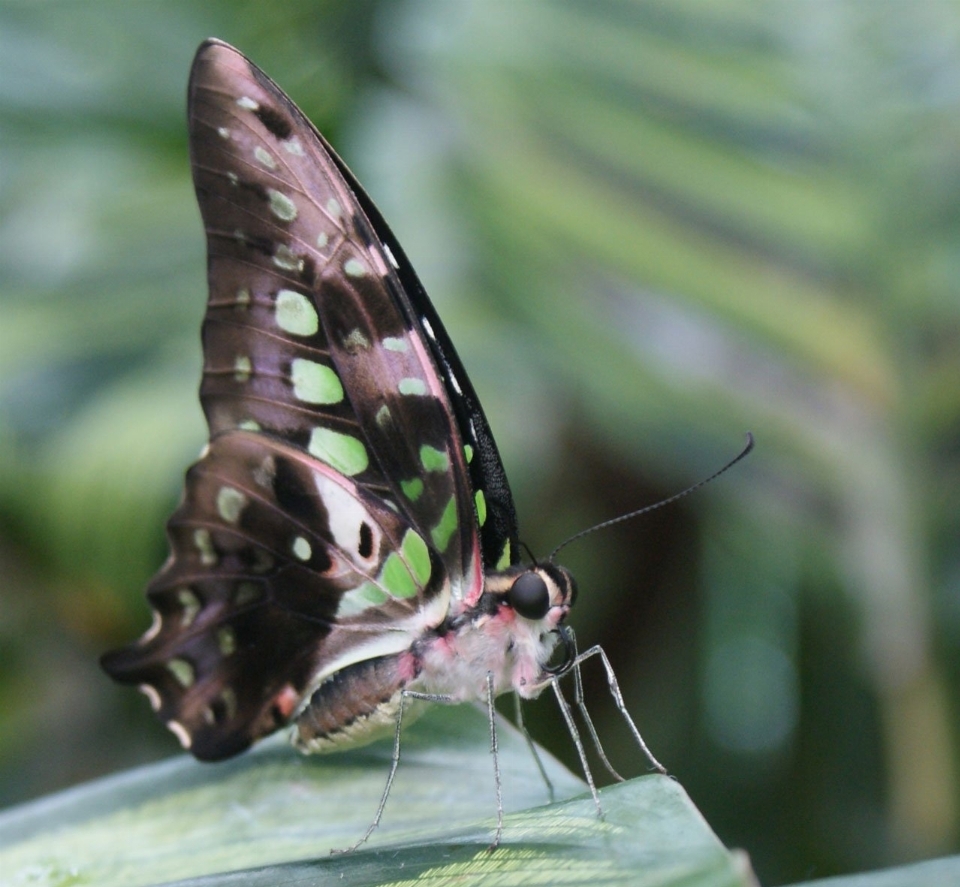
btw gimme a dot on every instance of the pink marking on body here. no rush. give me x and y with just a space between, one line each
408 667
286 701
444 645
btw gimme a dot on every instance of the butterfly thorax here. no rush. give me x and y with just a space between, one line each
510 634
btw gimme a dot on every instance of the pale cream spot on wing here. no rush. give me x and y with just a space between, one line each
281 205
242 368
151 694
230 504
286 259
355 341
301 548
190 606
204 544
389 253
264 157
178 730
226 640
265 472
155 625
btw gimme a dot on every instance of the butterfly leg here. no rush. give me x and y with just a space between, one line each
522 727
395 759
495 752
394 763
577 741
618 700
494 745
580 702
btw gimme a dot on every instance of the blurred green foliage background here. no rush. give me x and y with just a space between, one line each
649 226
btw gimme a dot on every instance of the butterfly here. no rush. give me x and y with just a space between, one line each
347 542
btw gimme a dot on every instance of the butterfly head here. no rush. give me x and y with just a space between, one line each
541 593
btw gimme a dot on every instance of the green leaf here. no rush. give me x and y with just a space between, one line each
272 816
932 873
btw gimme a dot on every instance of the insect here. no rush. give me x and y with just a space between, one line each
347 542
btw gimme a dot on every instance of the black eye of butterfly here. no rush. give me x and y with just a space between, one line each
529 596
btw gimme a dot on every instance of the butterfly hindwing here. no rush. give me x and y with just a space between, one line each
281 571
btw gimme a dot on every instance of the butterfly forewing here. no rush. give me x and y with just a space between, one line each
307 333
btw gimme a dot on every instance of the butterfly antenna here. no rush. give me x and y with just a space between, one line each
656 505
530 554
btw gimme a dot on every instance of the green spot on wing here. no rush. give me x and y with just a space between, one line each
354 268
361 598
340 451
468 453
396 578
295 314
442 532
412 489
226 640
433 459
481 502
315 382
412 386
182 670
417 555
506 557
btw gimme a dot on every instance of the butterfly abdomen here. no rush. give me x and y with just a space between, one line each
357 704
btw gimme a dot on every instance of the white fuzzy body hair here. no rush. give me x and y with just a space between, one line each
512 649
